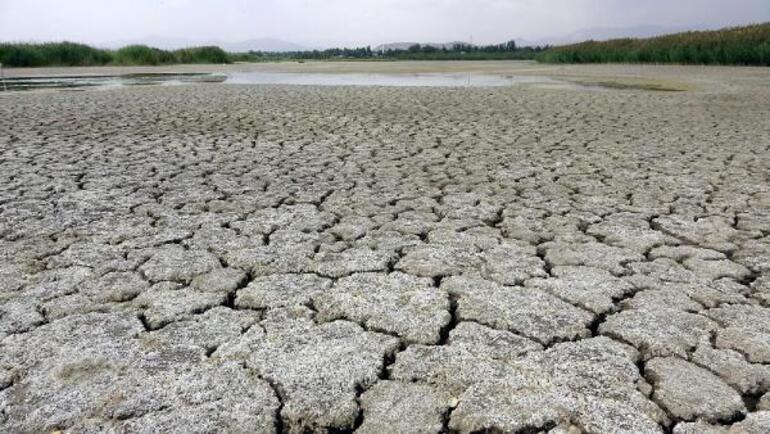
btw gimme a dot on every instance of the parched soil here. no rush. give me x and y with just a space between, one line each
222 258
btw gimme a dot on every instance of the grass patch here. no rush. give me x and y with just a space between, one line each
73 54
747 45
49 54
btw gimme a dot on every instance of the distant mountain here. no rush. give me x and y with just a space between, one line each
257 44
603 34
606 33
405 45
157 42
262 44
597 34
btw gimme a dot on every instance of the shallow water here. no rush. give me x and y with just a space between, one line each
289 78
105 81
408 80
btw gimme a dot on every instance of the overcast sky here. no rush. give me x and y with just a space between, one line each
354 22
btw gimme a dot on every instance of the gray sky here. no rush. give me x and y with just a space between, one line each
354 22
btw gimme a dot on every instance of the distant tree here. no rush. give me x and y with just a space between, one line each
429 49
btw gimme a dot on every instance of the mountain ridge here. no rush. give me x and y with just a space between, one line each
253 44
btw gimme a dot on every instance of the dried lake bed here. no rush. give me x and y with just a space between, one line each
274 258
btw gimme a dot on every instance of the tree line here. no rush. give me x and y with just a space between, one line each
507 50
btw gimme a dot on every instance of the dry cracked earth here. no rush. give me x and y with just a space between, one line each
265 259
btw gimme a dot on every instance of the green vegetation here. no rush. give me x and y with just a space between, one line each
202 55
142 55
71 54
506 51
749 45
64 53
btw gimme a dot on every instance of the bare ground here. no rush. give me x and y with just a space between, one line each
217 258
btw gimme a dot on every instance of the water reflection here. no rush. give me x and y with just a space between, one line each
108 81
289 78
407 80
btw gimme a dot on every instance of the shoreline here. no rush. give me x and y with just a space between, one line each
610 76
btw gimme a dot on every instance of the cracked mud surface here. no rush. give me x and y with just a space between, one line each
291 259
